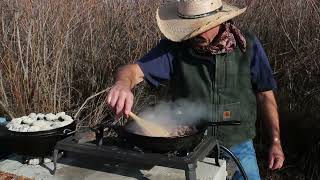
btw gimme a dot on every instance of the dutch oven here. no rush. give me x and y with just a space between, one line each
38 144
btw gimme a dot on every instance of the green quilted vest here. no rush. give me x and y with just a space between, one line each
223 84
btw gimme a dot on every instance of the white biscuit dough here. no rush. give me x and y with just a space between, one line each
51 117
29 120
34 129
39 122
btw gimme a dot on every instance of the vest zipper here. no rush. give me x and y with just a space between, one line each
212 106
218 59
215 94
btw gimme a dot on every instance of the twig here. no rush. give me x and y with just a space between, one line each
2 89
57 74
89 98
25 70
284 29
5 109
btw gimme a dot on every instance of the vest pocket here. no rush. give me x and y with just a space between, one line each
228 112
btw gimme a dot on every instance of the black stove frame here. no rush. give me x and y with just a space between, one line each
187 163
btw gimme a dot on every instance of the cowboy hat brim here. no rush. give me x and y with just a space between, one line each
178 29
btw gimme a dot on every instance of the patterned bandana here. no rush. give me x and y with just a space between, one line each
228 39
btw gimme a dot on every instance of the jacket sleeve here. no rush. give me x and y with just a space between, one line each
262 78
157 63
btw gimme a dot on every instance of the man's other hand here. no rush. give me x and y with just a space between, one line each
276 156
120 98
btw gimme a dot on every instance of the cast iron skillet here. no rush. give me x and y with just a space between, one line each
169 144
37 144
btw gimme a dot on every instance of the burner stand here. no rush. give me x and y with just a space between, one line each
187 163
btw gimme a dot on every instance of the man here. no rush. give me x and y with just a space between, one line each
208 59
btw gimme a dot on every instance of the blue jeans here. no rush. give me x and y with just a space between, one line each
246 154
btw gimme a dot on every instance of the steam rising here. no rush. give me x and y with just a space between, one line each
173 114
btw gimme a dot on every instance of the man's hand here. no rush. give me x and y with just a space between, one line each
269 109
120 98
276 156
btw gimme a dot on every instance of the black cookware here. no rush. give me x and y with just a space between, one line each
168 144
37 144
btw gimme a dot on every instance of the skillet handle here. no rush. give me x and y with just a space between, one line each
224 123
100 128
67 132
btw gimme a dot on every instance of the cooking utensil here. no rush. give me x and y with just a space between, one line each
150 128
168 144
37 144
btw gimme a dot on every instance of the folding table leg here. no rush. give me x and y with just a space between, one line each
55 159
190 172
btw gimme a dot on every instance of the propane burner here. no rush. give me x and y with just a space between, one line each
115 149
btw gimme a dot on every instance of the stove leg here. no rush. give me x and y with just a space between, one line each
55 159
191 172
99 136
217 156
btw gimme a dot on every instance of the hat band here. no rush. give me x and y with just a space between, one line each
199 15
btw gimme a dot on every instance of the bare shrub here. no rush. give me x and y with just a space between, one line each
55 53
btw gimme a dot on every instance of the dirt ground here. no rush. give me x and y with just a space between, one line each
9 176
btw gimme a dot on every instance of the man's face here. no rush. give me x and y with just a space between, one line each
205 38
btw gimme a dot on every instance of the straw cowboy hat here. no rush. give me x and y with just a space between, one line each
184 19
